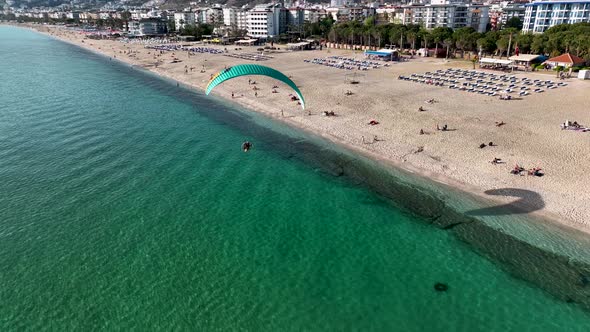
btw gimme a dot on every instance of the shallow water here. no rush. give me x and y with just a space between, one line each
126 203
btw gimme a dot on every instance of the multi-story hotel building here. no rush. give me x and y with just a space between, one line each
444 13
541 15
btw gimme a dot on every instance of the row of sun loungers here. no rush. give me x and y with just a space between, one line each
148 41
345 63
482 83
197 49
365 63
249 56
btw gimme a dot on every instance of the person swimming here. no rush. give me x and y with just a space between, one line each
246 146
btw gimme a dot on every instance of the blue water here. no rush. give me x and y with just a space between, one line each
126 203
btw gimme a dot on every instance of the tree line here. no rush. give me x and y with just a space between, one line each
559 39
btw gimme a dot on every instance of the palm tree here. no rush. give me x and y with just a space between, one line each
447 43
425 36
376 36
412 36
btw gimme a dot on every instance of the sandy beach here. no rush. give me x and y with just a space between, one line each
531 136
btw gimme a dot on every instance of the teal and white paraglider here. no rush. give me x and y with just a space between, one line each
251 69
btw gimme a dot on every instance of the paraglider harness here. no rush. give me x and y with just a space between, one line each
246 146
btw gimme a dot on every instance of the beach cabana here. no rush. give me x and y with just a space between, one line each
383 54
494 63
246 42
299 46
526 60
566 61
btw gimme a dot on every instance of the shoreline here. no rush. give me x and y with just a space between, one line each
298 120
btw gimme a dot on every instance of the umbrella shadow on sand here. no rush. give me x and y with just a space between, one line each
528 201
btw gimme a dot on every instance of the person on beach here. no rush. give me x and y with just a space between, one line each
232 95
256 94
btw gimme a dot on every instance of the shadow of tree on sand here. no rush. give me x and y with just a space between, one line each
528 201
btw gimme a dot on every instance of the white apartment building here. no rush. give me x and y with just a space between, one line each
183 19
541 15
242 17
213 16
235 18
512 10
230 17
343 14
502 12
147 27
389 15
450 15
264 21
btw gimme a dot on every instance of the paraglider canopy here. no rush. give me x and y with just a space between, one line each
252 69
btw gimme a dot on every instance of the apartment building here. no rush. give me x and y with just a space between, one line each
447 14
348 13
541 15
501 13
182 19
266 21
213 16
147 27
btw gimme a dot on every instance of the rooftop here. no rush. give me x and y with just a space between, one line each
567 58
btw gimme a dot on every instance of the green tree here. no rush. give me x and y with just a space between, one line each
171 26
465 39
515 23
439 35
502 44
411 37
487 43
525 42
425 37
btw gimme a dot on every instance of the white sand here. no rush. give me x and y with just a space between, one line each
531 137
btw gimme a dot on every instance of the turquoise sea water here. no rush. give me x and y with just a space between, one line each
125 202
